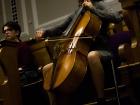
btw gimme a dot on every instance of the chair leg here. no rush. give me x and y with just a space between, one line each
115 82
1 101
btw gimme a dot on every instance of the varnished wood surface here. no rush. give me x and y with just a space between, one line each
10 92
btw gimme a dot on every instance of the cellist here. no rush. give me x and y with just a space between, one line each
98 51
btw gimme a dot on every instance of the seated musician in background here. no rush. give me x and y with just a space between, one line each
26 63
100 49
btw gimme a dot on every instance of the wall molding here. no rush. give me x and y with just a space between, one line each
24 17
35 15
4 11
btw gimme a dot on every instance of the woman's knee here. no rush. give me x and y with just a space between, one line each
93 55
46 68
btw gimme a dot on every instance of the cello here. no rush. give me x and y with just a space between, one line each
71 66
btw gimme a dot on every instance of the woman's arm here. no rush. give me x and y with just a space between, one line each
100 9
58 30
54 31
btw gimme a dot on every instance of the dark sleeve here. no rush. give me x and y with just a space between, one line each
58 30
104 13
25 57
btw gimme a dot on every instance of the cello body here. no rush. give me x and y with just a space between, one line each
71 66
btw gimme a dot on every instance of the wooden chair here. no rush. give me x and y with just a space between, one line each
129 69
10 87
128 52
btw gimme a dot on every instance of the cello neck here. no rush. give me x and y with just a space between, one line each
69 28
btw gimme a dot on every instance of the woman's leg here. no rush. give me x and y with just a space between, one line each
47 71
54 97
97 72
